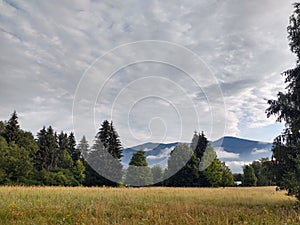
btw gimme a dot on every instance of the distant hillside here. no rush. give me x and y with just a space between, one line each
234 151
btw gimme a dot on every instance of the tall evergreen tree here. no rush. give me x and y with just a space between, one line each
110 139
213 173
64 157
104 158
46 156
83 146
115 147
201 145
286 147
12 128
104 133
74 152
182 167
138 172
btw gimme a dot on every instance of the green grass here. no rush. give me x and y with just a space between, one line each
79 205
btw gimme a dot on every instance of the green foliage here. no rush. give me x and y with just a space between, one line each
182 167
83 146
249 178
208 157
213 173
12 129
201 146
2 129
79 171
16 164
227 176
138 172
138 159
104 167
263 172
73 151
158 174
110 139
238 177
47 155
26 140
286 147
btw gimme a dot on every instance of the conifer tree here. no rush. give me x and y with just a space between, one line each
12 128
138 172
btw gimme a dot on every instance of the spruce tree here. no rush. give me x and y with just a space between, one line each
201 145
64 158
182 167
104 157
74 152
138 172
12 128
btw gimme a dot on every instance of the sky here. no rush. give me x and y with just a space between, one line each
158 69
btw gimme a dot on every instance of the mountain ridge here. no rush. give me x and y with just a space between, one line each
234 151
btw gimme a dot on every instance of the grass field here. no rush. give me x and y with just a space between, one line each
79 205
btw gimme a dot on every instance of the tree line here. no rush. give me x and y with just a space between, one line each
55 159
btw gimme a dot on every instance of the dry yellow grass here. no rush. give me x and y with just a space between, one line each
80 205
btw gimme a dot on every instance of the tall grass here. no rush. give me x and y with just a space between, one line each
80 205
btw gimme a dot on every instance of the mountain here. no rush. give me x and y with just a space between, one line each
235 152
156 153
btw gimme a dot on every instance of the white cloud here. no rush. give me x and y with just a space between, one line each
222 154
163 155
256 151
236 166
47 46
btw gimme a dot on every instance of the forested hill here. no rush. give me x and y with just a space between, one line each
234 151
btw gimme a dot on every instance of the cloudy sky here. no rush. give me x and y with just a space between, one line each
158 69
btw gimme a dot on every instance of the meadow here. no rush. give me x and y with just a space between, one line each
81 205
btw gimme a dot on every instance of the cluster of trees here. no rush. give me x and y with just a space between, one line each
197 166
188 166
258 173
56 159
51 159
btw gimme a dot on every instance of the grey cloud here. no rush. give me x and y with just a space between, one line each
46 47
